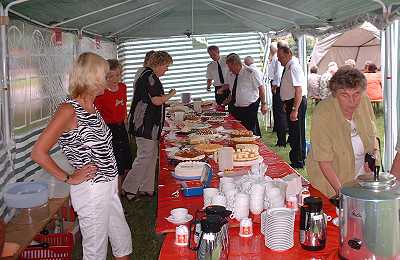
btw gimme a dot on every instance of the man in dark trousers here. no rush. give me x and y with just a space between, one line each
275 70
247 92
216 74
293 92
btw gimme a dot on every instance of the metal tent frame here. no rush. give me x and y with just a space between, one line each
280 18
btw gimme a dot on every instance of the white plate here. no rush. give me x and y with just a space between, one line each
197 158
173 221
248 163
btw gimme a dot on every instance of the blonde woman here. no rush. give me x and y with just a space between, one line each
85 139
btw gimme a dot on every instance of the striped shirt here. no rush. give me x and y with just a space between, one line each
89 142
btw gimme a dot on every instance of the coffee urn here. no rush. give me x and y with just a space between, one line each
369 218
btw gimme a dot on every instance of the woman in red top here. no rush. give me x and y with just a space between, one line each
112 107
374 85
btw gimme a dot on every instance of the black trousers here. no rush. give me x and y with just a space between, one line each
297 131
279 115
121 148
248 116
219 98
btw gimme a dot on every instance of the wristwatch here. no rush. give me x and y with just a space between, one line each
294 109
67 178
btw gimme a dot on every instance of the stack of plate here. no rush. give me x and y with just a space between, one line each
279 229
263 222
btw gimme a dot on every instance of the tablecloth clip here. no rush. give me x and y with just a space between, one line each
175 194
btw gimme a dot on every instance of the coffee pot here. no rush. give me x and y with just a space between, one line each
209 235
312 224
212 243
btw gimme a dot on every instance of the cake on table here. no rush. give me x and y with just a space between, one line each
189 169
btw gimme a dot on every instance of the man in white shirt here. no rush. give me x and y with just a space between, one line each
247 91
293 93
216 74
275 70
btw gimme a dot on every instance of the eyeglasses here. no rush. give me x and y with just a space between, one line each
354 132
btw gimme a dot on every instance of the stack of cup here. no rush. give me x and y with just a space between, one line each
230 199
197 106
208 194
228 188
242 205
257 198
276 198
219 200
179 116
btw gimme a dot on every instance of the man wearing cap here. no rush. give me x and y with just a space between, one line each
216 74
247 92
293 92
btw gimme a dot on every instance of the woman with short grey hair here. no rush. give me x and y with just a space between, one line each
342 132
146 120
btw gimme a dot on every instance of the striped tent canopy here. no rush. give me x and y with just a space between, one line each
119 19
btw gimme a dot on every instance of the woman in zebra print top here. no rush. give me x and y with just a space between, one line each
86 141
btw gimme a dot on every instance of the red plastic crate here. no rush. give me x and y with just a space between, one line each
60 248
68 209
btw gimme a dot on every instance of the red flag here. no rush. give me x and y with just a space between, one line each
98 42
57 36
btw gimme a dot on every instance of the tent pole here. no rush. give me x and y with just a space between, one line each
255 11
302 51
142 21
390 41
90 13
119 15
6 107
5 76
268 94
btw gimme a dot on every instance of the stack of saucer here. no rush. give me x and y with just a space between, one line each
279 229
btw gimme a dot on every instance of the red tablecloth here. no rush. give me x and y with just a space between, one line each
240 248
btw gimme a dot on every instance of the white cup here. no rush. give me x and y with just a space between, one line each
227 186
242 205
208 194
274 192
181 235
179 116
292 203
186 98
226 179
179 214
197 106
246 227
219 199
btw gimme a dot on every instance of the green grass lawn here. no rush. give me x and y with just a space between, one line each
141 214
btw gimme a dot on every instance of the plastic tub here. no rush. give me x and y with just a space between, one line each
23 195
57 189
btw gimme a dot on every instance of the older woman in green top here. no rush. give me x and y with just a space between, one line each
342 132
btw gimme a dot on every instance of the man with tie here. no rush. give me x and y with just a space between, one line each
293 92
216 74
247 91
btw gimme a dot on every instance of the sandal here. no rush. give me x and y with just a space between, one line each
145 193
130 196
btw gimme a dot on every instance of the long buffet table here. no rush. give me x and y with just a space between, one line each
240 248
